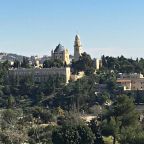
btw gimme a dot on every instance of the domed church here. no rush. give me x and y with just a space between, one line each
60 53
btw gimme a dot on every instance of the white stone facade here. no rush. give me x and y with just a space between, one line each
77 48
131 81
61 53
41 74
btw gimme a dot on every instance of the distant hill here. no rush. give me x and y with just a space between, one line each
10 57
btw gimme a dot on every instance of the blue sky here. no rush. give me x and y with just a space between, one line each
110 27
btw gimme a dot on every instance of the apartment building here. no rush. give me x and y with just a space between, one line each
132 81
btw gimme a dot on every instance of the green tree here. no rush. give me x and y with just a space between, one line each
132 136
95 126
52 63
25 63
121 115
6 65
40 135
11 101
16 64
80 134
125 110
9 119
11 132
85 63
111 128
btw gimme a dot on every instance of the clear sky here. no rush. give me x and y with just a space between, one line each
110 27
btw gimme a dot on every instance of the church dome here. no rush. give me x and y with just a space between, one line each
59 48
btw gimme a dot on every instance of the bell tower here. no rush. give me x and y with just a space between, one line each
77 48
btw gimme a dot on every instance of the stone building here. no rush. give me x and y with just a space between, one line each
35 61
97 64
60 53
131 81
41 74
75 77
77 48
